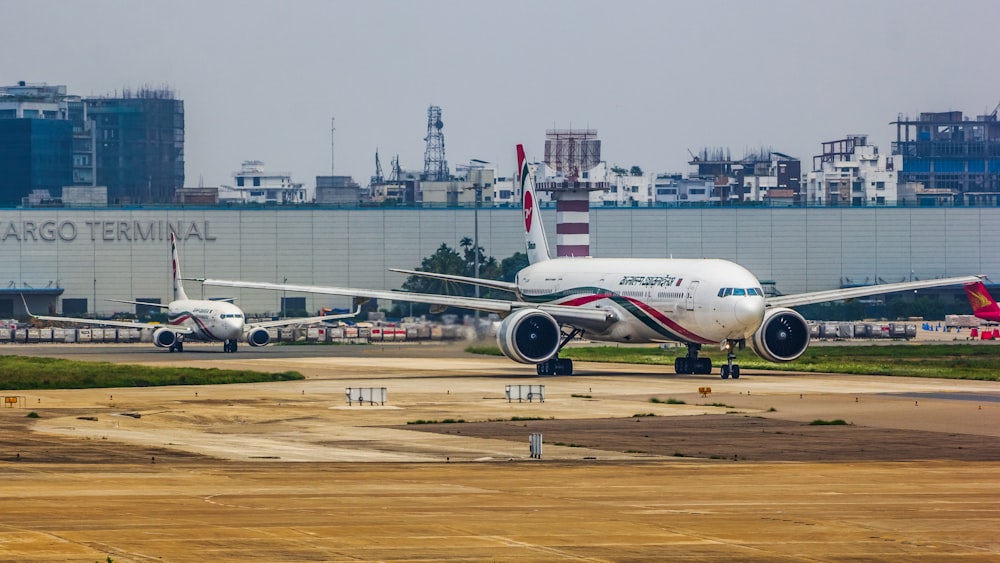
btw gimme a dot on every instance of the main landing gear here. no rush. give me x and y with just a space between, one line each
229 345
692 364
177 346
557 365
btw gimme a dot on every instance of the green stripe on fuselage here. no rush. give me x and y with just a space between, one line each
623 302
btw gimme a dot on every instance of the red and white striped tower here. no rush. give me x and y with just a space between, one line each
568 152
572 215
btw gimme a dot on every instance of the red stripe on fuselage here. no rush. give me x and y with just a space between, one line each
198 324
648 309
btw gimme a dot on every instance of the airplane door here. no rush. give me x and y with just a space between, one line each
689 300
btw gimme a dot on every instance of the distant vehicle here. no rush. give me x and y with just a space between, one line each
199 320
983 304
692 301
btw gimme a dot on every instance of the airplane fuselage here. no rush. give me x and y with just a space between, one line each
209 321
654 300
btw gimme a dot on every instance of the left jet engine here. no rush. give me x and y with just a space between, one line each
782 337
164 338
529 336
258 337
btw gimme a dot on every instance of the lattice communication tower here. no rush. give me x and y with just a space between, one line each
435 164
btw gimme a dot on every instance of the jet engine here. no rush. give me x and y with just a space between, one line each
164 338
782 337
258 337
529 336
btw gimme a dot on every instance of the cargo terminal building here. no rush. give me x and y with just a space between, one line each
71 261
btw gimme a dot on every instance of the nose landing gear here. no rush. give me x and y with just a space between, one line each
731 369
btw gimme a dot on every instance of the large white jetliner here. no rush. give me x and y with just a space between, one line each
199 320
691 301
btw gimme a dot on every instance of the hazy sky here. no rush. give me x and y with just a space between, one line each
262 79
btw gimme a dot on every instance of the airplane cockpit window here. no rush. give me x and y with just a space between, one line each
740 291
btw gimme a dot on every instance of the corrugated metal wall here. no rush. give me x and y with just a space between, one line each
90 255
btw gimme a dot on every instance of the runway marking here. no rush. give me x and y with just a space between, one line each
980 397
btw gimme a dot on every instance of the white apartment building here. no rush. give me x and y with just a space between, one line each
675 189
34 101
625 190
851 172
254 185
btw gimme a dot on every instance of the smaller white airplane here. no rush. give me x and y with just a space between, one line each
198 320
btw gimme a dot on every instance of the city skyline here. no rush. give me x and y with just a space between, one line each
262 80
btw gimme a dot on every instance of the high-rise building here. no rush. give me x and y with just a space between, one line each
947 151
36 141
84 147
139 140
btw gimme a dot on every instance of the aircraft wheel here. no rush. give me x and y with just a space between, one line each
736 372
180 346
704 366
680 365
563 366
724 370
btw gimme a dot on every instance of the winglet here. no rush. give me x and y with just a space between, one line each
536 245
25 301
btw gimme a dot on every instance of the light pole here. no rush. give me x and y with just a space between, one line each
476 165
283 299
475 243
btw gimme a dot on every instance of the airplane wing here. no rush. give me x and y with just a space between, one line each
100 322
863 291
303 320
123 324
562 313
160 305
493 284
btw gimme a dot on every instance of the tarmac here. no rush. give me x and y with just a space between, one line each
637 464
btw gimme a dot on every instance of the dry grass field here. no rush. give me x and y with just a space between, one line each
290 472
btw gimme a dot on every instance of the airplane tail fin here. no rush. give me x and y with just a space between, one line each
536 245
983 304
176 269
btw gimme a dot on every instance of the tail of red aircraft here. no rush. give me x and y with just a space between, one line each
983 304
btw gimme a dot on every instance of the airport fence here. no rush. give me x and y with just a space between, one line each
318 334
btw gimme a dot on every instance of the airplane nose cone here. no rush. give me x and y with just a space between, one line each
749 311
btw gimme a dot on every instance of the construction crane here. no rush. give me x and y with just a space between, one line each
378 170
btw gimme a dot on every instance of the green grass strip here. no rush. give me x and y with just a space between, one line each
19 372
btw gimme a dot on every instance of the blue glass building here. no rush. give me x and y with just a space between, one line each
34 154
